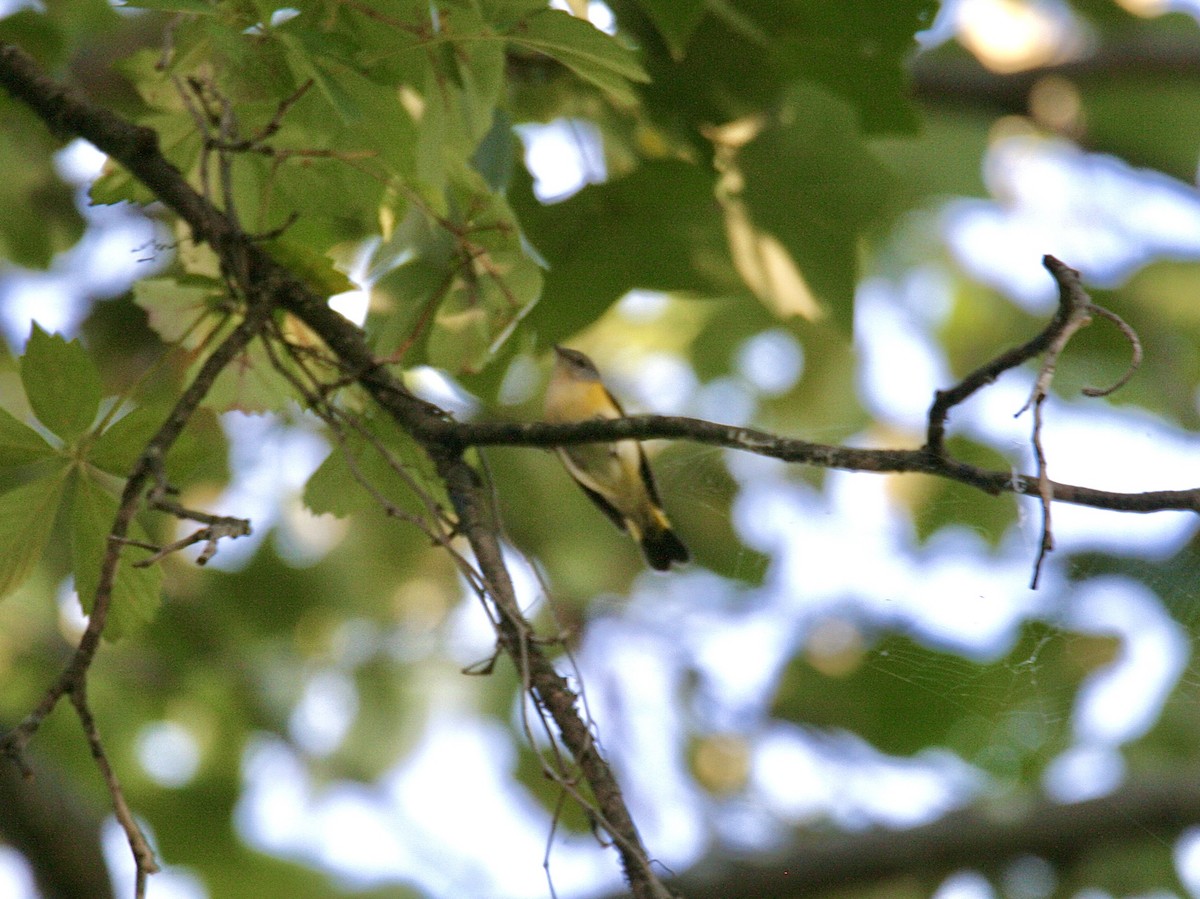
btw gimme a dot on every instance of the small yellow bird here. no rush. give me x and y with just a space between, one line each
615 476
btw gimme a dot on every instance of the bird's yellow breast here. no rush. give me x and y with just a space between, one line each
570 399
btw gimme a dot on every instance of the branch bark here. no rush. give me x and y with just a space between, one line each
56 831
957 78
788 449
978 838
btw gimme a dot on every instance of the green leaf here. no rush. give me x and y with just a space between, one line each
744 54
494 285
19 443
123 441
336 487
659 228
405 295
675 21
61 382
462 284
185 310
251 382
201 453
493 157
812 182
40 218
317 269
137 592
581 47
27 516
306 58
943 159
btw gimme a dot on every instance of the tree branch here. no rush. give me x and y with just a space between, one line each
549 688
73 679
946 77
57 832
972 838
788 449
272 286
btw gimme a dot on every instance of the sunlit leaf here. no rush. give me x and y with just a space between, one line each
182 310
814 185
255 381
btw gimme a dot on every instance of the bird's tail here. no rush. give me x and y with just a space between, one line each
661 546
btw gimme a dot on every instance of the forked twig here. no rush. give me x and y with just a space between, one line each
1075 312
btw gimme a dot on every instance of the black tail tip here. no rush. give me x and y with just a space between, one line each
661 548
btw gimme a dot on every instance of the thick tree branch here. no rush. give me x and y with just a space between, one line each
974 838
57 832
952 76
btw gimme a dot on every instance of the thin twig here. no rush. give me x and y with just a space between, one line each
1074 314
143 856
228 132
1045 494
945 400
1135 361
218 527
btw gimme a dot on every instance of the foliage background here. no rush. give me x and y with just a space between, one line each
830 227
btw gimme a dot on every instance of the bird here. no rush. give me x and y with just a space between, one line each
615 476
